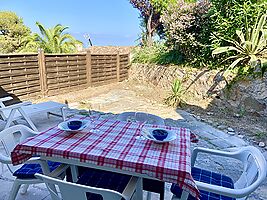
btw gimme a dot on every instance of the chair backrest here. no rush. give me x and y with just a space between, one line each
9 138
2 105
2 100
152 119
254 168
70 191
253 174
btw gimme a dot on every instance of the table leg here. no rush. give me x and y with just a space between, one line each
74 173
139 189
63 113
184 195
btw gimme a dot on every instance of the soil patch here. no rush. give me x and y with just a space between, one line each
139 96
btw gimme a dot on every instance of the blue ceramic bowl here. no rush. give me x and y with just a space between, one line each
75 125
159 134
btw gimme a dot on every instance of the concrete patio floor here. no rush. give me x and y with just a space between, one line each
209 137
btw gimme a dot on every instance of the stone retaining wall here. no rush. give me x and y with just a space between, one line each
208 85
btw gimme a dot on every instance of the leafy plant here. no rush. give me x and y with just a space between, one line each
156 54
227 16
51 40
251 48
12 31
260 135
150 12
146 54
175 98
184 26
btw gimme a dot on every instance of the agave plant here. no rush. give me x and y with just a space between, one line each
250 48
175 98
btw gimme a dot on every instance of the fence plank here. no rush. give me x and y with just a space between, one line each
70 58
89 68
35 75
118 67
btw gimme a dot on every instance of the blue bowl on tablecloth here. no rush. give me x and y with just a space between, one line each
75 124
160 134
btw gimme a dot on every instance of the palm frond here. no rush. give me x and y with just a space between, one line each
53 40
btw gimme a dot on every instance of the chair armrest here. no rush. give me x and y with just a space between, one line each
15 106
5 159
29 132
211 151
234 193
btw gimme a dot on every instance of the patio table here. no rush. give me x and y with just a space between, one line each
115 148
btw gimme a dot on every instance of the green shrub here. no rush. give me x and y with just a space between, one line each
250 48
175 98
193 30
158 53
185 28
228 16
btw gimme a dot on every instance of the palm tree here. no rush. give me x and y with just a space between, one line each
52 40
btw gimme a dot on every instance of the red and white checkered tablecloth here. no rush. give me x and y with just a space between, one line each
115 145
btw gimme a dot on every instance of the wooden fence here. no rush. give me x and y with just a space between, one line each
38 75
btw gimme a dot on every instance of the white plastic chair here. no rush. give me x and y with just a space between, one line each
25 109
253 174
152 119
70 191
9 138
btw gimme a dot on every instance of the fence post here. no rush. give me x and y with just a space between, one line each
118 66
128 64
88 68
42 71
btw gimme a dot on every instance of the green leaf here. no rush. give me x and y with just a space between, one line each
257 31
241 36
233 65
263 66
224 49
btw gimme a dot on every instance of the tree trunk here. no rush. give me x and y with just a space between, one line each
149 29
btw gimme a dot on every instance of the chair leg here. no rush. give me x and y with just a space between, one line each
63 110
162 193
139 189
2 168
24 188
14 190
148 197
28 120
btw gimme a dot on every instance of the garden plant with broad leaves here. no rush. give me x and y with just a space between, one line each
250 48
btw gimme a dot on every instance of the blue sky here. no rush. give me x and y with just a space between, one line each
108 22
